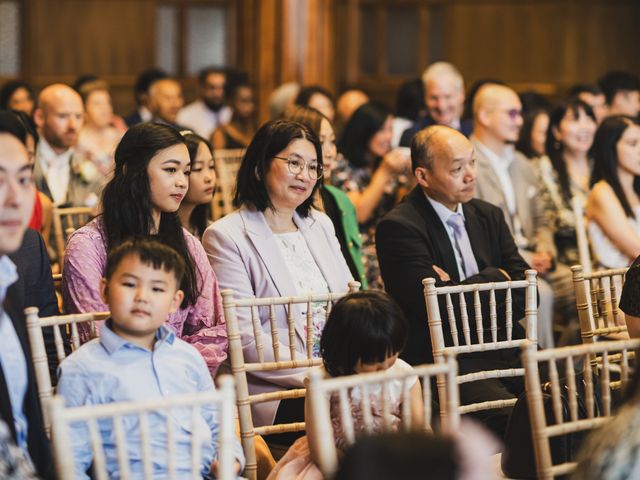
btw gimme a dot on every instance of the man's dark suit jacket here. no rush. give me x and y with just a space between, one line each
19 295
35 286
133 118
411 239
466 127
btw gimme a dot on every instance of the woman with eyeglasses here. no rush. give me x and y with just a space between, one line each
276 244
331 200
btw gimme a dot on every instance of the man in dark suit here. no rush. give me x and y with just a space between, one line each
19 403
444 98
141 94
416 240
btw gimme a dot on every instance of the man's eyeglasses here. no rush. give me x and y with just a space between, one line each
297 164
513 113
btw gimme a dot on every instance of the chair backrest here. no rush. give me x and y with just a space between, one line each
597 296
114 413
439 347
65 222
227 164
294 359
371 386
35 324
582 238
566 387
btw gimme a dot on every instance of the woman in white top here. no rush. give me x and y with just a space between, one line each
277 244
613 205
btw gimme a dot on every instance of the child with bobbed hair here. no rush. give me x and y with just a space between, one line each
365 332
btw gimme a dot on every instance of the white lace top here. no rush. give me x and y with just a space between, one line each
307 278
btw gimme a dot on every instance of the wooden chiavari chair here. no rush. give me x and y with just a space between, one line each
65 222
542 430
483 344
227 164
321 390
35 324
270 358
115 413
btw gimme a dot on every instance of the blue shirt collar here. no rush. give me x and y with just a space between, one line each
112 342
443 212
8 276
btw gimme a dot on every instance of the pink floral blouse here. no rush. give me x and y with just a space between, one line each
201 325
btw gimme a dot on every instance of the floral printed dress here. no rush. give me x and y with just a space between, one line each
296 463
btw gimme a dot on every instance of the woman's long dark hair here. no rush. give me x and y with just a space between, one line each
524 144
201 213
126 199
605 154
554 148
363 124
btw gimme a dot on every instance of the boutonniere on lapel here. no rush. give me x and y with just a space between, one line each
84 170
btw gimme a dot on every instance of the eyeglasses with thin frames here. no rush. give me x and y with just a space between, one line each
296 164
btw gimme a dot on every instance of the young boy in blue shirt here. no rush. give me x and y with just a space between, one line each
138 358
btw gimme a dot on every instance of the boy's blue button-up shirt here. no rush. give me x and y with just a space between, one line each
110 369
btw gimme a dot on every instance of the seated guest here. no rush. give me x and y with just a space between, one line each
242 126
149 182
282 98
35 281
141 94
348 102
210 110
98 137
19 403
508 180
444 98
372 175
365 333
17 95
630 300
622 93
563 174
194 210
277 245
441 231
60 172
138 358
165 101
593 96
317 97
333 201
613 204
533 133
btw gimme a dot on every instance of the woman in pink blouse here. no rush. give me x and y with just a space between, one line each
150 180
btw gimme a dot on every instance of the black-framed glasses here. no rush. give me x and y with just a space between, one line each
297 164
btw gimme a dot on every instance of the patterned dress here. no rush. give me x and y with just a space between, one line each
559 211
355 179
296 463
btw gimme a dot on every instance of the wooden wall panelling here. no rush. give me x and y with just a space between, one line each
113 39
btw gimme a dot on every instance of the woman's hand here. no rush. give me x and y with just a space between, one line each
396 161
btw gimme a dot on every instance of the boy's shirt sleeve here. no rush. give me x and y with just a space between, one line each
212 416
74 386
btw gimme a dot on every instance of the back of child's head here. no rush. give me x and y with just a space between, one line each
366 326
406 455
150 252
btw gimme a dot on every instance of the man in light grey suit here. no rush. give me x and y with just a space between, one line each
60 173
507 179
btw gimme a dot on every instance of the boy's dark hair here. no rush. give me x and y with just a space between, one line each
576 90
150 252
363 326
